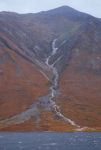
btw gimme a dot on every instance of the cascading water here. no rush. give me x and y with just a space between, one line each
54 87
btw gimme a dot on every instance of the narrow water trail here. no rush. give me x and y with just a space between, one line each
55 87
47 102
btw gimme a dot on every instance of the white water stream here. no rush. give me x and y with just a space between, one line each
54 87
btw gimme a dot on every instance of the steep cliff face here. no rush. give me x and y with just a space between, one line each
50 67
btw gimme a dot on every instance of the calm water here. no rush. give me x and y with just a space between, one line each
50 141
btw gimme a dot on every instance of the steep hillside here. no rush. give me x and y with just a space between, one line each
50 71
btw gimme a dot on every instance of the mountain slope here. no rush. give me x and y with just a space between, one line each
60 49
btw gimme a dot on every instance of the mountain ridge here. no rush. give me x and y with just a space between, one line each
65 8
64 49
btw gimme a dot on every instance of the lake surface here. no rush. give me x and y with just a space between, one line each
50 141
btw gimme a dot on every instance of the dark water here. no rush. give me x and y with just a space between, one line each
50 141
